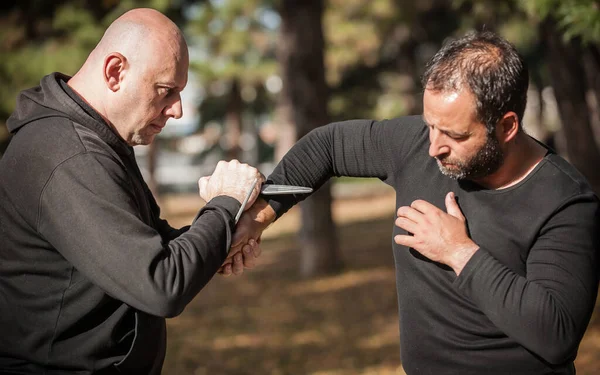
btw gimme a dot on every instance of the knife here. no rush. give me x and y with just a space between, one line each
269 189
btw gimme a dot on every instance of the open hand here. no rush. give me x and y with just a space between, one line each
438 235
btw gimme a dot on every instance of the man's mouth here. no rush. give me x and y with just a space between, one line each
449 165
157 128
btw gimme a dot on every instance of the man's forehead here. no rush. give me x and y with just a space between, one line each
172 72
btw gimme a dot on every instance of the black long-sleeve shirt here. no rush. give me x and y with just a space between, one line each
88 269
523 301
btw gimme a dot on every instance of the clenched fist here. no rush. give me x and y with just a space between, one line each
233 179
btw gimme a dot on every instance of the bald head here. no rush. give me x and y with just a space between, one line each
139 34
134 75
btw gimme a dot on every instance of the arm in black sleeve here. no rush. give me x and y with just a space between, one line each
89 214
167 232
356 148
548 310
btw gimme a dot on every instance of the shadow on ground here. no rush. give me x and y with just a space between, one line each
270 321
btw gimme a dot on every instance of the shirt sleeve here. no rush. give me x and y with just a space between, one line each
547 311
89 214
167 232
355 148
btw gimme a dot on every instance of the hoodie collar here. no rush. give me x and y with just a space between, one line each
49 99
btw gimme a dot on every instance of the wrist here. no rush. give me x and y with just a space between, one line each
461 256
262 213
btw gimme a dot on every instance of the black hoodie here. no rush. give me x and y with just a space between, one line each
88 270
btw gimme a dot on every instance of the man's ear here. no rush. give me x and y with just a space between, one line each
508 127
114 70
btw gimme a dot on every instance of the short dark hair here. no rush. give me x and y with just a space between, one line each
490 67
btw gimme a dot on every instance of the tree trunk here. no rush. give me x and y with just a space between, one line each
592 70
301 49
570 86
233 122
286 131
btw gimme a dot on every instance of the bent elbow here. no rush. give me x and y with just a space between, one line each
558 353
171 310
166 306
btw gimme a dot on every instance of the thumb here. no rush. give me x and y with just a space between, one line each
202 187
452 207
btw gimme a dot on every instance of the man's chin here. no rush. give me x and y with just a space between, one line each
451 170
142 140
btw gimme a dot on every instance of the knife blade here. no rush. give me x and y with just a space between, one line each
270 189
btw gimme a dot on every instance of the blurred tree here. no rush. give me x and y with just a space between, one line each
376 51
301 49
570 33
233 56
572 82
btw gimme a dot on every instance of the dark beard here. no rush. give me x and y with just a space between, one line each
486 161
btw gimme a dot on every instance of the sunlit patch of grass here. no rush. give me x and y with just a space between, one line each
343 281
385 336
373 370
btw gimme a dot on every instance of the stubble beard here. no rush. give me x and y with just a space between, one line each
139 138
486 161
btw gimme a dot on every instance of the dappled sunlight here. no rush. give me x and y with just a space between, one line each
309 337
246 341
343 281
387 335
373 370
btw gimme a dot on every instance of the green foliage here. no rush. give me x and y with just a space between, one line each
577 18
61 44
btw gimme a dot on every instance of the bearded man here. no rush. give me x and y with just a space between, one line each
496 238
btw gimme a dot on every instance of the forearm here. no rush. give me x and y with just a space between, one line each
129 259
545 321
354 148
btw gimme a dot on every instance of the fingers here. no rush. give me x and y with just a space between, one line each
238 259
233 179
424 206
452 206
249 260
250 252
406 224
225 269
257 250
409 213
420 208
405 240
237 266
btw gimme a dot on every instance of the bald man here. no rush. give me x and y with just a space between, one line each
88 269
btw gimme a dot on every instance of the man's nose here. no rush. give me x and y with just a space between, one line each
437 145
175 110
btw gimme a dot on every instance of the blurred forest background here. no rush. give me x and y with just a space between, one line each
264 73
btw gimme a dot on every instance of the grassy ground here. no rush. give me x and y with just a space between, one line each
270 321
